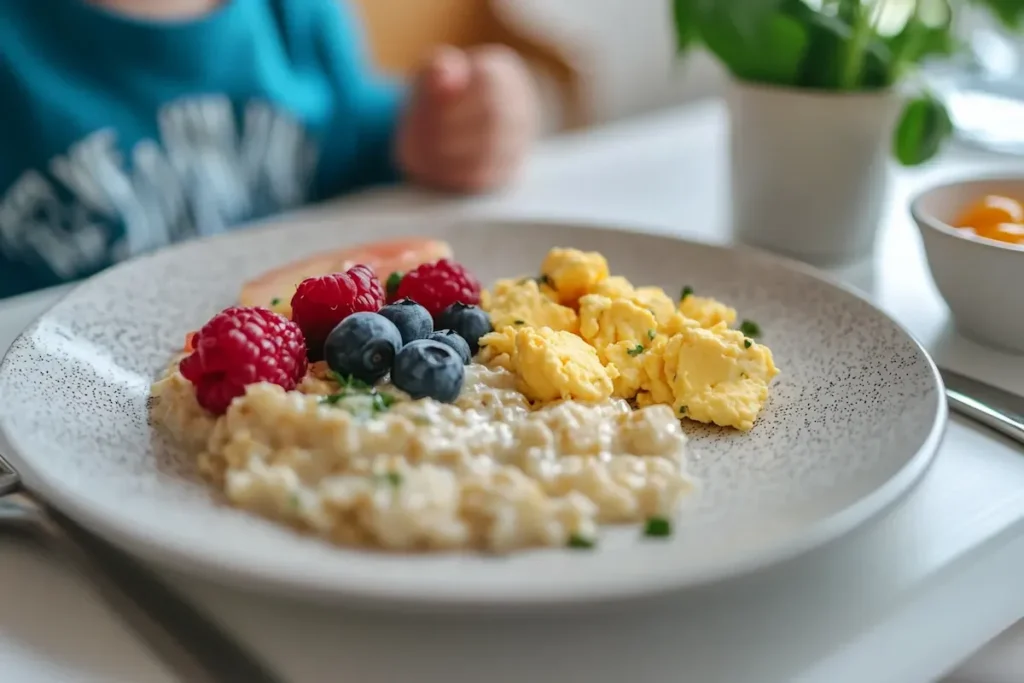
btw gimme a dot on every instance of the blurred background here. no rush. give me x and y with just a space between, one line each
620 53
606 58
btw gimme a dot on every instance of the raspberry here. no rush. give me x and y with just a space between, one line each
242 346
320 303
436 286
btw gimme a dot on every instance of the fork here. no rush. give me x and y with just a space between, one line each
187 641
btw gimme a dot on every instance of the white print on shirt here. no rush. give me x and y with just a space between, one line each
201 176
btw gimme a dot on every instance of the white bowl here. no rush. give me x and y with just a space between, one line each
981 280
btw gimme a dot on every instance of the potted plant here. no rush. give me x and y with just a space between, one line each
816 108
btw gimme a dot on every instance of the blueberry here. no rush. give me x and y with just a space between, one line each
455 341
411 319
428 369
363 346
469 322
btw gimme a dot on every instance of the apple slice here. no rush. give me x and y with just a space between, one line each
274 289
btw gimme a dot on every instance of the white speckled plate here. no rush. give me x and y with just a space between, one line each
853 422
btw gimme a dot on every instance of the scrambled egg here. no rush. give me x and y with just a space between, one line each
706 311
628 359
498 347
614 287
550 365
712 375
573 273
580 333
525 302
605 321
653 299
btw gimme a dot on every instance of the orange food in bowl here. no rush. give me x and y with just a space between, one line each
994 217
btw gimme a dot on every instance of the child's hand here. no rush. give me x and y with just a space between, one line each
472 116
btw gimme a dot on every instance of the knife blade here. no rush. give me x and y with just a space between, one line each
990 406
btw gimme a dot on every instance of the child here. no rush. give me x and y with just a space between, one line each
130 124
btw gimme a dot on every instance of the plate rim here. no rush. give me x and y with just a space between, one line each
174 554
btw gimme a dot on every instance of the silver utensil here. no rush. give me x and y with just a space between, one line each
187 641
988 405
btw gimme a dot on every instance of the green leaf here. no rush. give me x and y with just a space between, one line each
827 44
1009 12
798 9
923 128
769 52
746 15
779 51
850 11
685 20
927 33
827 39
830 45
880 67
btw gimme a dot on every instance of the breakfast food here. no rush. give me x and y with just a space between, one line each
577 333
454 417
275 288
320 303
239 347
993 217
364 346
436 286
412 320
466 321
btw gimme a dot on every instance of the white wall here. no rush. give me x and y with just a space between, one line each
626 48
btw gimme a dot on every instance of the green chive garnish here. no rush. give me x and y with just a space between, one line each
275 301
519 322
349 382
750 329
687 291
577 541
350 386
381 402
747 343
636 350
658 527
651 334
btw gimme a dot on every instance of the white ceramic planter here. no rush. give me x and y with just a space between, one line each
809 170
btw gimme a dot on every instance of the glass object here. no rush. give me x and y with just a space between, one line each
983 86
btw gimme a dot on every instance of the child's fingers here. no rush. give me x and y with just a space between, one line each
446 74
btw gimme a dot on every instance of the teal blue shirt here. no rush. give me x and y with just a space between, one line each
119 135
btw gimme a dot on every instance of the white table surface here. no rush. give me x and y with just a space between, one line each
903 601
